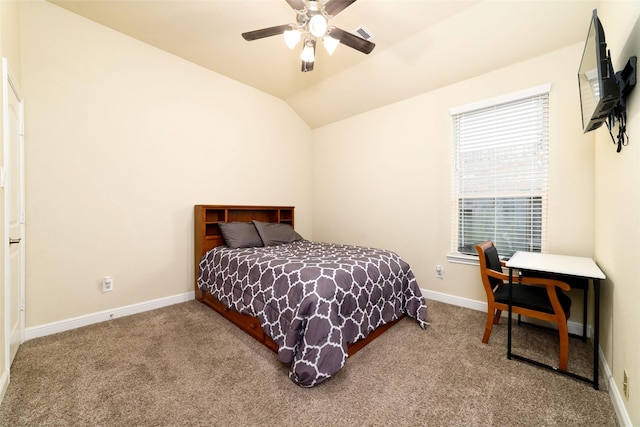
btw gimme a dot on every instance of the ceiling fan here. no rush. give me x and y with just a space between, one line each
312 23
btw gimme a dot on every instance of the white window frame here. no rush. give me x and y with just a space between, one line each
541 189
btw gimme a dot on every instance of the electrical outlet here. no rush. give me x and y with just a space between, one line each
107 284
439 272
625 384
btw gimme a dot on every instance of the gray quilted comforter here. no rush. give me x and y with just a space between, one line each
313 298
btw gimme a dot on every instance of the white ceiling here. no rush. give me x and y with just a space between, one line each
420 44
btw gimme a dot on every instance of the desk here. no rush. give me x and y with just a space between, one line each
579 267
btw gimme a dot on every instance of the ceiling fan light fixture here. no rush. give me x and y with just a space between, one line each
291 38
330 44
311 26
318 25
308 55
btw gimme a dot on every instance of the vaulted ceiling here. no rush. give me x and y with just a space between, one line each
420 44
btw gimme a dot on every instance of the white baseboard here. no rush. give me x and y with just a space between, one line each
574 327
454 300
90 319
4 384
77 322
614 394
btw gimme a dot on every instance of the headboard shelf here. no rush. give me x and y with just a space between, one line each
207 231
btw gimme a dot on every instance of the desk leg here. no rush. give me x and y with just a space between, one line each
585 308
596 332
510 313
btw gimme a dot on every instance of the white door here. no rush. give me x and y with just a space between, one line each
13 213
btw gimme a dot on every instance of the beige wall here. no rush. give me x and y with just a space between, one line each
10 49
617 215
122 140
384 178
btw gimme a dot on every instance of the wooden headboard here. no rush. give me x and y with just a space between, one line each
207 232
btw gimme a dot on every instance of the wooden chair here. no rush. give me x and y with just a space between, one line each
535 297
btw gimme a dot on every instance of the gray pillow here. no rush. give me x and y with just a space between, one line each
273 233
240 234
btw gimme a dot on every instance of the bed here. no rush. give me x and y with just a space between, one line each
314 304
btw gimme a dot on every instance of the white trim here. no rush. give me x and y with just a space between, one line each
10 85
614 394
6 280
572 326
457 258
465 259
52 328
102 316
4 384
454 300
502 99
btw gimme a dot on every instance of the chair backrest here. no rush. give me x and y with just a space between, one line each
489 259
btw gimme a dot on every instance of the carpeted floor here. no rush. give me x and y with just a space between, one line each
184 365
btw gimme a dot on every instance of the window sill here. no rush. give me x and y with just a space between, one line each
463 259
467 259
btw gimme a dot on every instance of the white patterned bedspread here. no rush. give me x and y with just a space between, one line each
313 298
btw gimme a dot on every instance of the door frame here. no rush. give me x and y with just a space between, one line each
9 83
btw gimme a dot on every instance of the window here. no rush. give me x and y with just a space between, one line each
500 151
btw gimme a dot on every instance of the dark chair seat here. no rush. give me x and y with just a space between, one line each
531 297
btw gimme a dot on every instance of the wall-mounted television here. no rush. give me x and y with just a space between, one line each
599 90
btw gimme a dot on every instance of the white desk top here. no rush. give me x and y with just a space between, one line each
560 264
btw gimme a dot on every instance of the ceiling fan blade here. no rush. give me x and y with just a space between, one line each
334 7
265 32
355 42
296 4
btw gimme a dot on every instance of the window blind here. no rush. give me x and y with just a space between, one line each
500 163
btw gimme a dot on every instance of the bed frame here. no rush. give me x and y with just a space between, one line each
208 236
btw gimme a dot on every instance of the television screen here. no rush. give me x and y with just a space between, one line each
599 92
